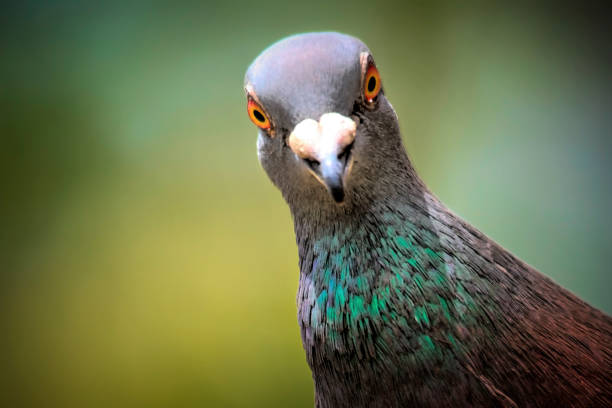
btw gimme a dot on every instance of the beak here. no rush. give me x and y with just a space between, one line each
325 147
331 172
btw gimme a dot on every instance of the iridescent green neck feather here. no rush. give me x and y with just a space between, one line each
385 288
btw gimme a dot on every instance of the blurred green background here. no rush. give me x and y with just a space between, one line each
145 258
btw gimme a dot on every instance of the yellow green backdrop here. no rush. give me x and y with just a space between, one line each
146 260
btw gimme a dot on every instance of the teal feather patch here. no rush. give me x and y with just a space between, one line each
408 286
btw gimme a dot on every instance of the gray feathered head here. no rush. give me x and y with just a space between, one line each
328 137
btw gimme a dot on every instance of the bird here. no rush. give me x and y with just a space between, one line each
400 301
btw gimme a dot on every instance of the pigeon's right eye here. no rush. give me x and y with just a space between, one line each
257 115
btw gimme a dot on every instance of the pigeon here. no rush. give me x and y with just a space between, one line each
400 301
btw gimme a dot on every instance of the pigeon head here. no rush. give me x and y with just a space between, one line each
328 138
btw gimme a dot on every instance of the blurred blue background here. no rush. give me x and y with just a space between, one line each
146 260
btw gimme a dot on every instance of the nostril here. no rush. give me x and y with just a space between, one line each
312 163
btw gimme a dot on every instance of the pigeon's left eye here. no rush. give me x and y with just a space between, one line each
371 84
257 115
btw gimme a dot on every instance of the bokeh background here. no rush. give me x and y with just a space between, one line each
146 260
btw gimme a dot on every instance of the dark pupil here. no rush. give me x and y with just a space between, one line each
258 115
371 84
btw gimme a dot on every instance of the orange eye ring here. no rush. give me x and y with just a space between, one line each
371 84
258 116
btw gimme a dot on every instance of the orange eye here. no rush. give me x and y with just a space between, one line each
371 85
257 115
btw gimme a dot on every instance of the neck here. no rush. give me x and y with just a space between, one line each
325 228
381 295
358 263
